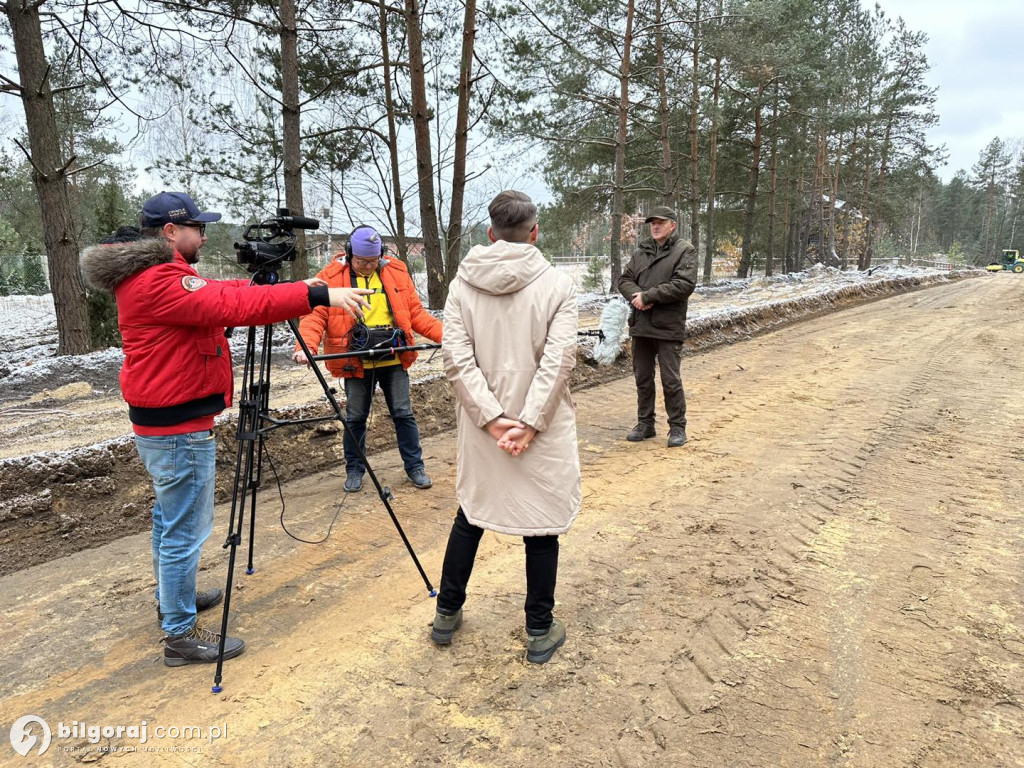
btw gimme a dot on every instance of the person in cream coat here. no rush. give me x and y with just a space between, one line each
509 348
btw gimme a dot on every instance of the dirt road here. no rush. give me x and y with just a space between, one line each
828 574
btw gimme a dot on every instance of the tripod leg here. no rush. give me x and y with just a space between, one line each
328 390
382 492
246 435
261 395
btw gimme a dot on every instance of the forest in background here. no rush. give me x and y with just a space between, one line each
786 132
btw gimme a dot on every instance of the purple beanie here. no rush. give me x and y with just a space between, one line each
365 243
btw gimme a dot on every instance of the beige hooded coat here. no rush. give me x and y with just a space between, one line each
509 346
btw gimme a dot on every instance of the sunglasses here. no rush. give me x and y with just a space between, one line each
201 226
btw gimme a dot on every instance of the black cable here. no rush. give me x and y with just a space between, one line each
280 493
360 336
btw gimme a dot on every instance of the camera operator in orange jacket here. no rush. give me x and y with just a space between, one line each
395 312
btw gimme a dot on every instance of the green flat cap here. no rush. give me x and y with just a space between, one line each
661 212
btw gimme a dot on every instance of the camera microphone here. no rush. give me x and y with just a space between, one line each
299 222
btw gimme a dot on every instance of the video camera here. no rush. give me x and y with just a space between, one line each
271 242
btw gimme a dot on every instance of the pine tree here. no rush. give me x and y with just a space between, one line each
991 176
34 275
16 283
594 278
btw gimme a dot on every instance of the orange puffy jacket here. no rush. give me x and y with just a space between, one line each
332 325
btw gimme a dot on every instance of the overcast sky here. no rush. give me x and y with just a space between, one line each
977 61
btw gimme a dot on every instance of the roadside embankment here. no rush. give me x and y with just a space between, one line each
56 503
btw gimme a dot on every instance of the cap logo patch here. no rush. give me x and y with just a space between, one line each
192 283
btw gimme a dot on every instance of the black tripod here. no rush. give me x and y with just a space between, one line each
255 422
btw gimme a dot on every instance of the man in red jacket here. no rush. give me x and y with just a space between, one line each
395 312
176 377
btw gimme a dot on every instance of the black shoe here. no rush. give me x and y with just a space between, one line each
641 432
676 437
445 626
199 646
205 599
353 482
420 478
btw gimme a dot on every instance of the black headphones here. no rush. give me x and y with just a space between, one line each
348 243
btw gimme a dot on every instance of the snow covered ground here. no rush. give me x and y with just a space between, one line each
28 331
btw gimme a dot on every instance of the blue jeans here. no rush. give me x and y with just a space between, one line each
182 468
394 383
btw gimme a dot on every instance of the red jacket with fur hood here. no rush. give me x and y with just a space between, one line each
177 363
333 326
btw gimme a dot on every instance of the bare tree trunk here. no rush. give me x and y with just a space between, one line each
833 202
864 257
694 147
915 223
1001 228
883 171
389 104
453 235
770 252
844 246
709 252
49 175
437 289
668 194
750 209
820 164
990 214
1013 221
799 241
620 152
794 246
291 131
787 232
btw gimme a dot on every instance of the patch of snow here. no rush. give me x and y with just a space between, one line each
28 330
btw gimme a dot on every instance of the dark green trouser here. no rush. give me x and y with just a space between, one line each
645 350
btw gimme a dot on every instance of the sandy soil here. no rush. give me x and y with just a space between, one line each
828 574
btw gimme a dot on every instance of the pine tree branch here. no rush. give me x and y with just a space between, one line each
28 156
10 86
83 168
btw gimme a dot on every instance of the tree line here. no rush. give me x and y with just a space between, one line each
795 130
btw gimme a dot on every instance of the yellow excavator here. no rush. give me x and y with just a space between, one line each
1012 261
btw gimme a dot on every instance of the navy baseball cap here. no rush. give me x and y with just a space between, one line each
172 208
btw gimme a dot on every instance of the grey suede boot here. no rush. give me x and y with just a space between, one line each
541 647
445 626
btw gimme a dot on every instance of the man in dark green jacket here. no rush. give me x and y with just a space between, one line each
657 283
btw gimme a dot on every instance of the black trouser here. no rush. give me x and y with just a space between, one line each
644 351
541 572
